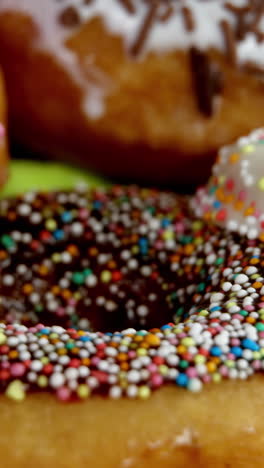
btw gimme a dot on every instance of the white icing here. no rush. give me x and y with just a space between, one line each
163 37
234 196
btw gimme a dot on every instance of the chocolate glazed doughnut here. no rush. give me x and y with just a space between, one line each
118 294
3 143
162 84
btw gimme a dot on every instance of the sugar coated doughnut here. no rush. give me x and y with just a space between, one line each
116 294
138 89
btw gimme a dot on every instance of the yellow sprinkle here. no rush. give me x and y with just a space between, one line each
135 249
261 184
168 235
53 336
197 225
216 378
204 313
15 391
44 360
83 391
51 224
42 381
248 149
199 359
144 392
163 369
222 179
2 338
106 276
56 257
187 342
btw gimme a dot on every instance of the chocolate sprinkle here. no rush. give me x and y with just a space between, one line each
207 81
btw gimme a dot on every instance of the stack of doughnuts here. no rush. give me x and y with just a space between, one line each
3 134
126 292
139 89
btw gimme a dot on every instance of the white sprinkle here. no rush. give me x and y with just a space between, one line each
56 380
241 279
115 392
195 385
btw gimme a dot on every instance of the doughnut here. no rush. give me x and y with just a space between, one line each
121 308
3 142
151 80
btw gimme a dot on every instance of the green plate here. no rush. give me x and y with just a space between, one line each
29 175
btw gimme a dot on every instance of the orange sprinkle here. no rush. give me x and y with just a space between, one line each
138 338
3 254
175 258
144 345
122 357
250 320
234 158
230 198
220 194
43 270
12 215
181 349
27 288
55 290
73 250
211 366
152 340
188 249
254 261
257 285
113 344
124 366
238 205
249 211
13 354
93 251
86 361
215 360
66 294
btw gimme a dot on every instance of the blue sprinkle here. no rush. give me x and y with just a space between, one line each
217 204
165 327
97 205
236 350
165 222
45 331
213 309
182 380
66 217
58 234
216 351
250 344
84 338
